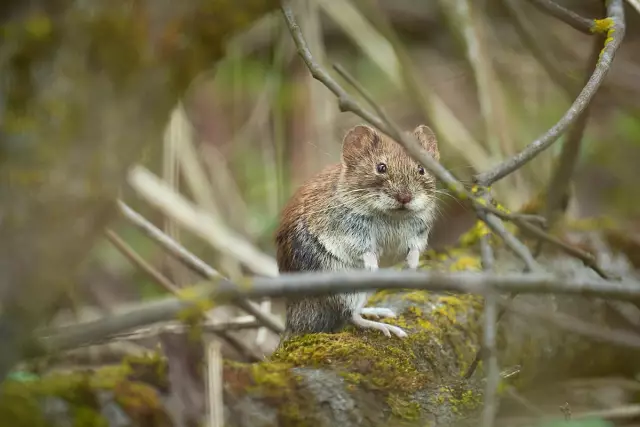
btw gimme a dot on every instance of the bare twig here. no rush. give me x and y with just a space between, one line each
195 263
170 245
614 25
635 4
491 360
180 327
139 262
585 257
528 32
469 20
163 281
486 253
561 178
215 404
344 281
567 16
156 192
516 246
491 316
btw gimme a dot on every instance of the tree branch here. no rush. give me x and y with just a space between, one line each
491 317
314 284
196 264
614 26
567 16
561 178
169 286
588 259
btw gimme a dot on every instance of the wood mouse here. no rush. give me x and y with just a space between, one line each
374 208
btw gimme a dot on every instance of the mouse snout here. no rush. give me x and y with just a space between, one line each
404 197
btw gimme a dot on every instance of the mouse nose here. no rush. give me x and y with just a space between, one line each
404 198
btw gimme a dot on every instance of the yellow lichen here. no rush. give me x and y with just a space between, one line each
602 25
194 313
473 236
465 263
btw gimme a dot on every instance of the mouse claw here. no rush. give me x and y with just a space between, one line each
385 328
378 312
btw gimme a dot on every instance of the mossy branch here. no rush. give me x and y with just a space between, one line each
362 378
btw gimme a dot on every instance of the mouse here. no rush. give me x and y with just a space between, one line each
373 209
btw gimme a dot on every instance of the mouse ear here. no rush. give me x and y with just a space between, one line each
428 140
357 140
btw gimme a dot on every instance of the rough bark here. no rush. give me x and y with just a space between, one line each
85 85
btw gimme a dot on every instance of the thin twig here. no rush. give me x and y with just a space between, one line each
516 246
635 4
615 27
486 253
561 178
491 316
157 193
215 404
314 284
139 262
169 286
541 48
528 32
585 257
567 16
196 264
491 360
180 327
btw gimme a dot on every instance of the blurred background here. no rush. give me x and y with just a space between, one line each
488 81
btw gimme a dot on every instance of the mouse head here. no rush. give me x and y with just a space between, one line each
382 176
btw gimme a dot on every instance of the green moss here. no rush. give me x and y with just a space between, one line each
21 402
141 403
384 364
276 384
402 408
460 399
149 368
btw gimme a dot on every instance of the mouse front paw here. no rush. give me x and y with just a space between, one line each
413 259
378 312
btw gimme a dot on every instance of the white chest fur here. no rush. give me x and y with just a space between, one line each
389 237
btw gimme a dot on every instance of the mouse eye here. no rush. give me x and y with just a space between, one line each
420 170
381 168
